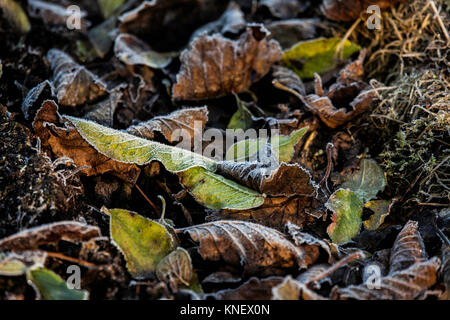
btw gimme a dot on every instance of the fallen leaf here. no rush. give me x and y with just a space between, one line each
291 289
191 120
347 212
408 248
289 32
109 7
35 97
74 84
288 79
216 192
316 56
133 51
49 234
381 209
302 238
367 181
242 118
15 15
349 10
103 112
284 180
16 264
253 289
59 136
101 37
214 66
407 284
143 242
256 248
283 9
50 286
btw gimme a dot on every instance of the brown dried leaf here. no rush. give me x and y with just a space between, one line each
302 238
49 234
256 248
59 136
35 97
289 79
289 32
253 289
74 84
349 10
407 284
176 269
103 112
408 248
291 289
184 119
214 66
333 107
283 9
285 180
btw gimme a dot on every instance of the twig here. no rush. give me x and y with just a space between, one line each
439 19
149 201
345 38
66 258
329 149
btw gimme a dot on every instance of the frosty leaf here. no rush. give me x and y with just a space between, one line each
50 286
108 7
291 289
143 242
408 248
184 119
17 264
35 97
216 192
381 209
15 15
133 51
348 10
289 32
283 9
316 56
103 112
176 269
49 234
283 147
256 248
242 118
347 212
367 181
284 180
303 238
100 36
406 284
123 147
74 84
214 66
59 136
288 78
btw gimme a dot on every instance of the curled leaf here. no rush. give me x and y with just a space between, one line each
74 84
381 209
347 212
15 15
143 242
256 248
316 56
408 248
35 97
49 234
214 66
133 51
50 286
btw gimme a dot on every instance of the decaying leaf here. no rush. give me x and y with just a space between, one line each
60 137
216 192
349 10
407 284
49 234
133 51
289 79
35 97
17 264
316 56
284 180
191 120
253 289
256 248
284 9
408 248
367 181
381 209
177 270
74 84
50 286
143 242
103 112
14 13
291 289
54 16
347 212
289 32
214 66
108 7
302 238
345 99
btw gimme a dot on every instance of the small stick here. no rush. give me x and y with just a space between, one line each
149 201
439 19
330 148
66 258
345 38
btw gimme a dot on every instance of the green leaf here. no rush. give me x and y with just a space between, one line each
216 192
381 209
316 56
143 242
367 181
14 13
124 147
50 286
11 267
242 118
108 7
347 212
283 147
17 263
